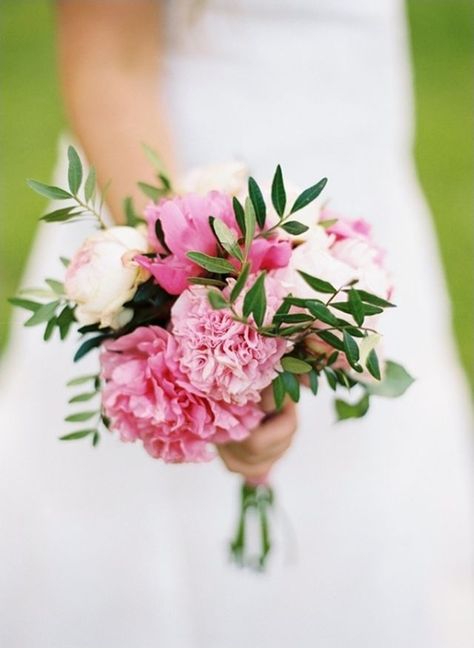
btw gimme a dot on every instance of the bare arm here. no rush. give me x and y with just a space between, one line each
109 56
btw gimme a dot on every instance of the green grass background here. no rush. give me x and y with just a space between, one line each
442 35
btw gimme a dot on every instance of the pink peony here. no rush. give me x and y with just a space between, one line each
185 224
186 228
221 356
146 396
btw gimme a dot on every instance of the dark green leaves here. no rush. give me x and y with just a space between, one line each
240 283
308 195
48 191
279 391
211 264
322 313
255 301
278 192
294 227
74 173
318 284
357 307
239 214
80 434
61 215
258 202
292 386
373 299
372 364
351 350
80 416
24 303
44 313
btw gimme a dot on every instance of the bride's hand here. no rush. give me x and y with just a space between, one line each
254 457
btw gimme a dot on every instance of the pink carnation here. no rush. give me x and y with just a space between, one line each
147 397
221 356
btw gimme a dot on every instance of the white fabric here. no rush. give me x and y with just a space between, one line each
107 547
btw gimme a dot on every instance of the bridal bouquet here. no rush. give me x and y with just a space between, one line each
209 298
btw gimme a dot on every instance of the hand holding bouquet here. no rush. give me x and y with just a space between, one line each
207 301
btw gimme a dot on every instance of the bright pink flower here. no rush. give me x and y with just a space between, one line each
185 224
269 254
221 356
147 397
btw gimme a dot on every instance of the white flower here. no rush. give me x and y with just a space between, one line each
102 276
228 177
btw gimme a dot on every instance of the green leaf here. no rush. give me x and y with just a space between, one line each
346 410
322 313
295 365
64 321
65 261
331 378
292 386
132 219
279 391
294 227
60 215
396 380
374 299
292 318
318 284
81 398
154 159
43 314
211 264
155 193
48 331
89 186
327 223
351 349
250 223
258 202
357 307
239 214
227 238
95 438
332 358
49 191
345 307
255 301
80 434
81 380
313 381
216 299
88 345
25 303
81 416
240 283
372 364
308 195
74 172
331 339
56 286
278 192
207 281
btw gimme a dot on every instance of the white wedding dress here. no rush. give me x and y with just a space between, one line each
108 548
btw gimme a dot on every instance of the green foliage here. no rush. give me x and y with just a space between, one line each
278 192
308 195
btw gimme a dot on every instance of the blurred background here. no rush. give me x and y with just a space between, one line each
442 36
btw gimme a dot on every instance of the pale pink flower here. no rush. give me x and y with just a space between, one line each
147 397
221 356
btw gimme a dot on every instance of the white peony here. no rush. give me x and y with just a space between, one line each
228 177
102 276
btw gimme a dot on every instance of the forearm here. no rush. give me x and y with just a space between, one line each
110 79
